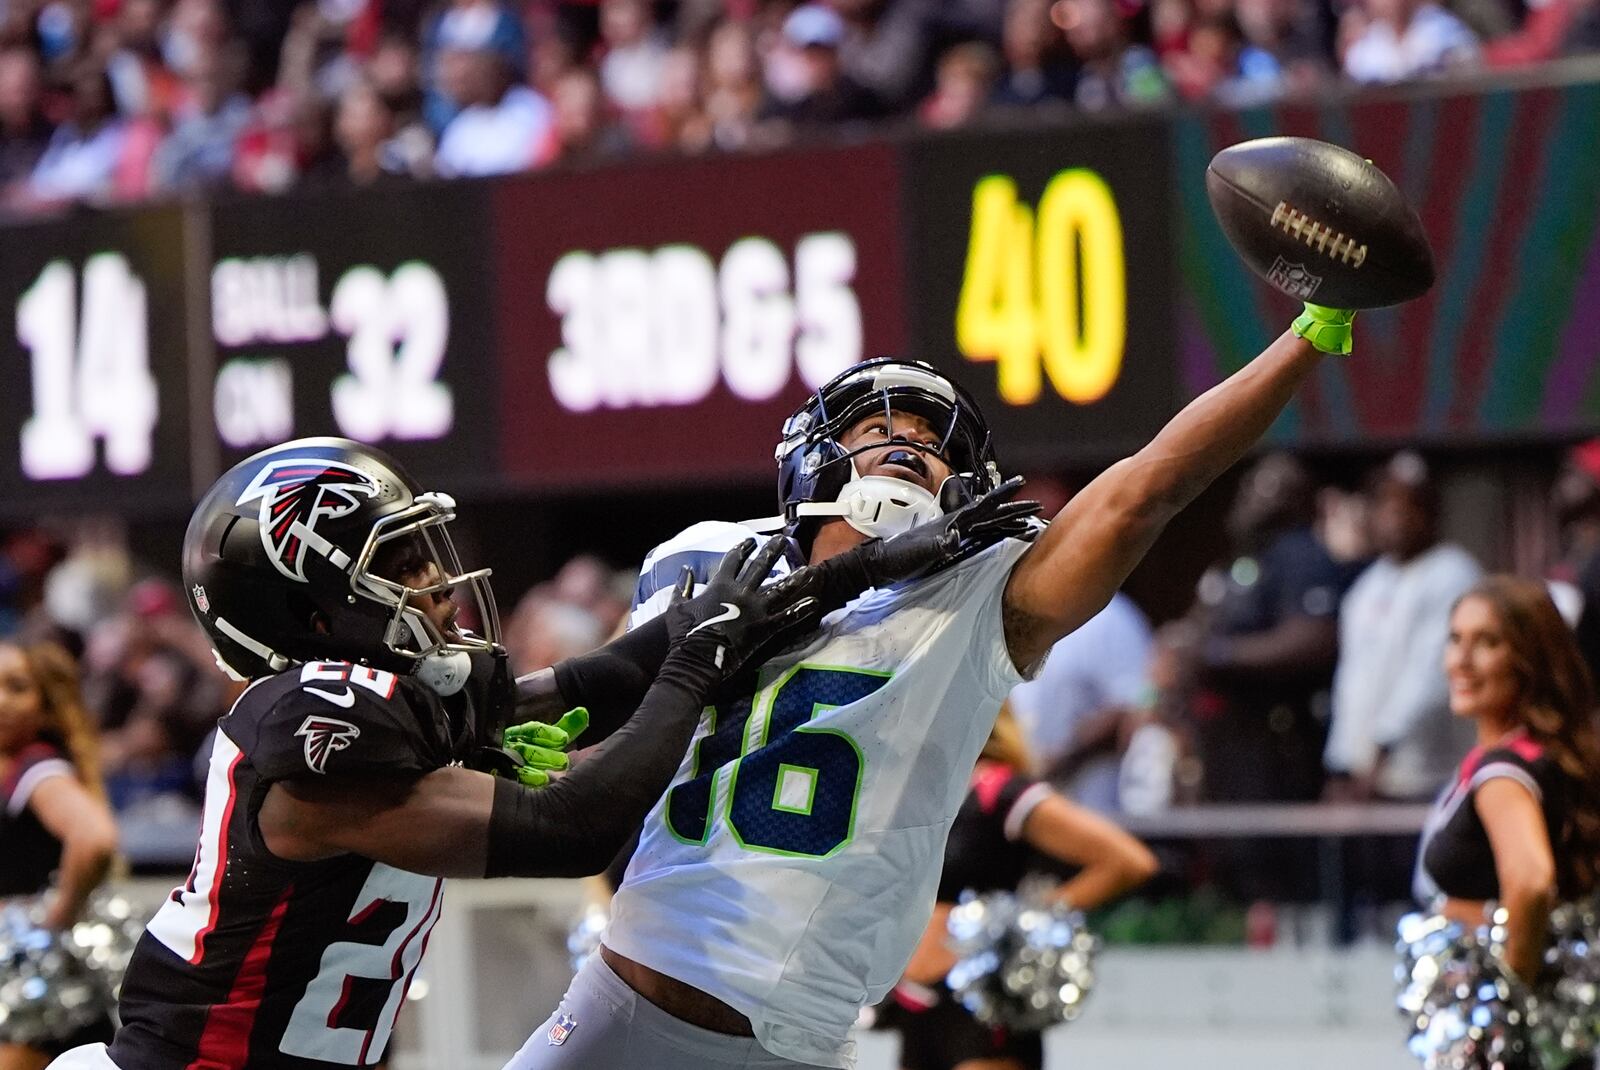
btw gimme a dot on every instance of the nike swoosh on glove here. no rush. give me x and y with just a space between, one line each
734 619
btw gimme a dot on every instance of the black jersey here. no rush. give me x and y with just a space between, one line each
257 962
31 854
1456 856
986 851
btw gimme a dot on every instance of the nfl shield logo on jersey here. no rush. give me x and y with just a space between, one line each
565 1024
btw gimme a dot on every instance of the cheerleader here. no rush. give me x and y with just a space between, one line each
1521 823
1007 817
53 814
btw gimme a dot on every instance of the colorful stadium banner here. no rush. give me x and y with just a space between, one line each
656 320
1507 342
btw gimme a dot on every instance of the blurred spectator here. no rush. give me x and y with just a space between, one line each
1112 71
1403 39
24 131
1392 735
1035 67
806 85
199 151
966 81
464 27
679 121
364 131
150 677
570 615
502 127
1576 590
635 55
1076 712
1268 642
289 142
1264 662
394 71
1219 64
580 132
81 160
140 79
886 47
733 85
1293 34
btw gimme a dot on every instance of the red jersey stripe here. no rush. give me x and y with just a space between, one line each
225 1043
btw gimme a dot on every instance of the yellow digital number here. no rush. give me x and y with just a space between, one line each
1023 304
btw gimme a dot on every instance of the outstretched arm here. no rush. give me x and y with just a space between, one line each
1076 565
456 822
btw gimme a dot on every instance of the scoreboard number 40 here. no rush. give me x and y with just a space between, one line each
91 372
1045 289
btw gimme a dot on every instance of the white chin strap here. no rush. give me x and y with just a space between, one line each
878 506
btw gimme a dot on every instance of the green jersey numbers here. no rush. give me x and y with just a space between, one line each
791 788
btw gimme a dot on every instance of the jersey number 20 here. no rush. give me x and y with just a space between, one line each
792 789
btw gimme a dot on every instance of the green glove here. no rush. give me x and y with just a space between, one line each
1328 329
539 747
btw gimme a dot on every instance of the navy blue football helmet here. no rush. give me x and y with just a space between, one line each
817 476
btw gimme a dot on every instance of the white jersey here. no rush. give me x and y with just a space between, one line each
791 869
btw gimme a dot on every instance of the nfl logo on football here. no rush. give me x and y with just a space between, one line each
1293 279
562 1029
201 600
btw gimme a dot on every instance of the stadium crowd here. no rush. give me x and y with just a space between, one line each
1308 667
115 100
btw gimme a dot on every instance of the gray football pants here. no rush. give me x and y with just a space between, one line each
602 1024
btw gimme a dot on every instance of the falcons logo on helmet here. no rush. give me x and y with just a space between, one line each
324 735
295 494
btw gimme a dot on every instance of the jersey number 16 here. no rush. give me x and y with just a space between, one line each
791 789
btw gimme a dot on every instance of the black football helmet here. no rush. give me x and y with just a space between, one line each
817 476
300 553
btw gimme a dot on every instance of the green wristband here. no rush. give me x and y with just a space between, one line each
1327 329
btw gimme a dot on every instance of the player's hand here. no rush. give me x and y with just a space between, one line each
1327 329
734 621
539 748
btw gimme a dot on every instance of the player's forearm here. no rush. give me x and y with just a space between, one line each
574 827
1081 559
1219 427
609 682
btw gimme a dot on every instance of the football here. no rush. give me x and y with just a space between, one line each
1319 222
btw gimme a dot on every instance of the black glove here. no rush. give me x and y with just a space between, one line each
924 549
735 620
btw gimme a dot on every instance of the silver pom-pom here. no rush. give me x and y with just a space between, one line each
1570 1021
46 992
105 937
1467 1010
1025 961
584 939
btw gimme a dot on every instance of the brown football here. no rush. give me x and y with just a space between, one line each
1320 223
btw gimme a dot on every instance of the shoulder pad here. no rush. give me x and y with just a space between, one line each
325 718
700 547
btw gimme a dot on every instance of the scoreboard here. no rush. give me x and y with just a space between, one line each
624 326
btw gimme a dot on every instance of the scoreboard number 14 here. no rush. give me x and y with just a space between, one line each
1047 290
91 372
